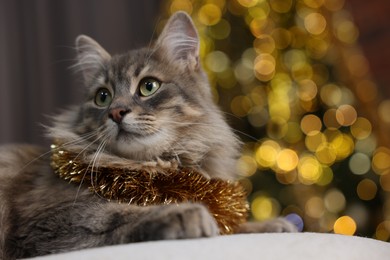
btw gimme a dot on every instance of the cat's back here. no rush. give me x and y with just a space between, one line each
15 157
15 161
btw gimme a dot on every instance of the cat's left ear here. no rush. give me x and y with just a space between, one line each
180 40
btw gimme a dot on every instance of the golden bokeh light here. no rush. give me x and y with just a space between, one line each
381 160
326 176
246 166
217 61
314 141
343 145
361 129
385 181
221 30
317 47
331 94
256 26
264 207
286 177
282 38
287 160
264 67
366 189
307 90
346 31
256 12
294 133
314 3
241 105
281 6
330 120
264 44
309 170
266 153
209 14
181 5
383 231
345 225
315 23
311 125
248 3
315 207
346 115
243 73
384 111
334 5
334 201
326 153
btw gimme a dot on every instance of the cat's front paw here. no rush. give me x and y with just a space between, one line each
278 225
179 222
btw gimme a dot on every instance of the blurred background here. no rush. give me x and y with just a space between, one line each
305 84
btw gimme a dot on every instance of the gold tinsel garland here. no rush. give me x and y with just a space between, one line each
225 200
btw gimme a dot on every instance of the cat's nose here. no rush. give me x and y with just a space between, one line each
117 114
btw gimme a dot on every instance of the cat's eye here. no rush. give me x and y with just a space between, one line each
148 86
103 97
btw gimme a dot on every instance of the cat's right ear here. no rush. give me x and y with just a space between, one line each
180 41
91 57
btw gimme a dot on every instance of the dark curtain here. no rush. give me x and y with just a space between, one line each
36 51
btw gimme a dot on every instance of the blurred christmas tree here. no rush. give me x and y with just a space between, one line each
298 91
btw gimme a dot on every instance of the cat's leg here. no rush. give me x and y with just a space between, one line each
75 227
277 225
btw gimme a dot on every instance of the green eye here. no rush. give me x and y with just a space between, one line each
148 86
103 97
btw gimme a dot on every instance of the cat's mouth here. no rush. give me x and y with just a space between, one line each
126 135
131 134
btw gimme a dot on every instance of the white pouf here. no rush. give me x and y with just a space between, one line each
246 246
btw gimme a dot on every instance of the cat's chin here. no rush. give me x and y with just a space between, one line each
136 146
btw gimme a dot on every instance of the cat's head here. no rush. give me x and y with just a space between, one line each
152 103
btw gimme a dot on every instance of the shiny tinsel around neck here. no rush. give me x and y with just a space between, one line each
226 200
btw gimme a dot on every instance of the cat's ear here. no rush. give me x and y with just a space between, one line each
179 40
91 57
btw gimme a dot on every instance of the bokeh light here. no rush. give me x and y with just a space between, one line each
345 225
334 201
366 189
264 207
209 14
315 23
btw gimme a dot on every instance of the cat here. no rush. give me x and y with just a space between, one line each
150 107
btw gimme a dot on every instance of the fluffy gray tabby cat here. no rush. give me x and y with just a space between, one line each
150 107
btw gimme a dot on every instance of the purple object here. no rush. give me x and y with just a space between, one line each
296 220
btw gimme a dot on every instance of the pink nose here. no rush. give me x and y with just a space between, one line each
117 114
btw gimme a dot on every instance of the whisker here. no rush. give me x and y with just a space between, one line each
95 161
76 141
81 152
210 125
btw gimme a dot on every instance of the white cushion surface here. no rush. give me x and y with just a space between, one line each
246 246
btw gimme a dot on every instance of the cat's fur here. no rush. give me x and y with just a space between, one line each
179 125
